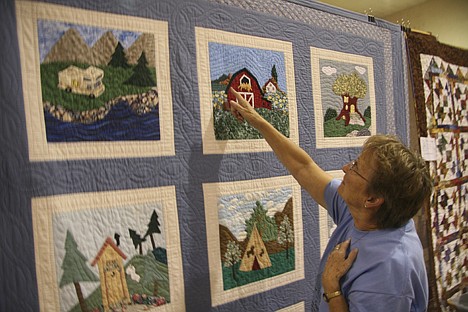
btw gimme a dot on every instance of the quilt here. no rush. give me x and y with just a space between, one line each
440 75
126 185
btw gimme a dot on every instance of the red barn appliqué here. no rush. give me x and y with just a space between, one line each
247 85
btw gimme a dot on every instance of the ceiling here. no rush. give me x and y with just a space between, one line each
379 8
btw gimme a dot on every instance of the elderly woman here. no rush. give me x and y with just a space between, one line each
374 259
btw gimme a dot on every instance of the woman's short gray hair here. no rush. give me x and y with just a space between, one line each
400 176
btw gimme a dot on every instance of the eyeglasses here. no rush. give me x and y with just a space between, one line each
353 167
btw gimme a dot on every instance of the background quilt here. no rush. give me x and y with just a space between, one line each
439 74
124 182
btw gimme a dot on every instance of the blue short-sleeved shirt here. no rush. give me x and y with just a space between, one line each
389 270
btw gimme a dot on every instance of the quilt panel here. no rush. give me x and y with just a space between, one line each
440 75
125 183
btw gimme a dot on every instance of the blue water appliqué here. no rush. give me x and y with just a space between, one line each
120 124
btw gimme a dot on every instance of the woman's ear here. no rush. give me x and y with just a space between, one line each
374 202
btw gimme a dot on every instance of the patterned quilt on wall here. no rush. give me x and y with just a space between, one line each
126 185
440 76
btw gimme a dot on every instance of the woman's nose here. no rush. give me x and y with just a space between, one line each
345 167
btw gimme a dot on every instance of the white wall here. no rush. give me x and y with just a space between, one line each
445 19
